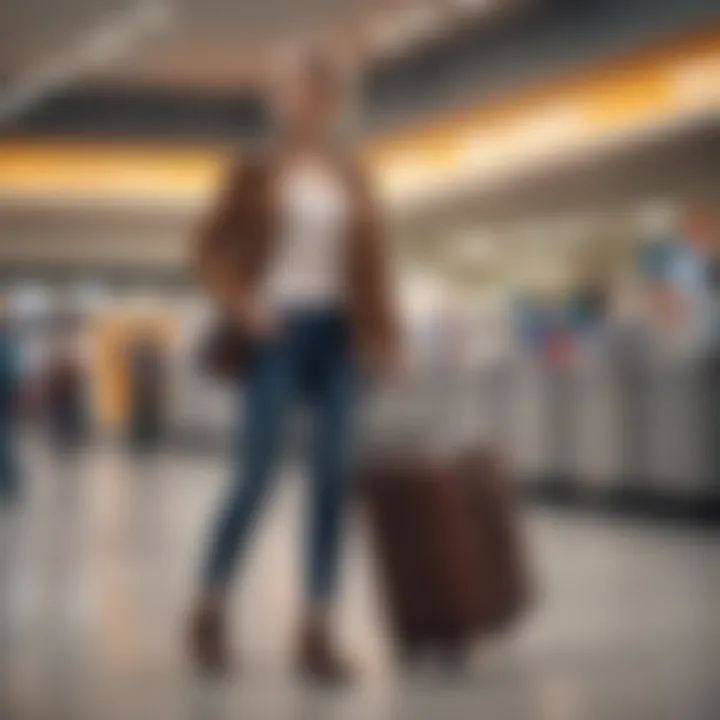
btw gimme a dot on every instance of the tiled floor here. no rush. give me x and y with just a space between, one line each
96 573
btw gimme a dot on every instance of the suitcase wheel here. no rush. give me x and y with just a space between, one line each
454 657
409 652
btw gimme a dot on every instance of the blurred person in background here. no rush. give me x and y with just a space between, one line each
682 272
530 323
147 372
64 387
295 256
9 472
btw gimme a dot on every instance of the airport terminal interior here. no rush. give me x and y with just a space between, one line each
549 173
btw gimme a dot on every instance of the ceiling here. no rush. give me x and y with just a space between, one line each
185 68
211 43
681 163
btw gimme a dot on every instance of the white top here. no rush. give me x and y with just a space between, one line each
307 269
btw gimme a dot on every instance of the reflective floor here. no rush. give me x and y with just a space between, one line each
97 569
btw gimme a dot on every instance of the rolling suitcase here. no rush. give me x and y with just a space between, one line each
501 558
447 550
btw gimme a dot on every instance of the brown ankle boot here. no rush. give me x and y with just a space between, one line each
318 659
208 638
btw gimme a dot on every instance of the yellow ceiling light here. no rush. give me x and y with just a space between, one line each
469 148
96 172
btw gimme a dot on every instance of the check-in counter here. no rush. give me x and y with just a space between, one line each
682 426
623 421
523 402
596 430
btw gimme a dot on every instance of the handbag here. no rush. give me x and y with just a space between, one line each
225 351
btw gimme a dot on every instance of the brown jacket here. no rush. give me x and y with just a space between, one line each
236 244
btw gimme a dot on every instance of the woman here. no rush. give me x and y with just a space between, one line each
295 256
9 476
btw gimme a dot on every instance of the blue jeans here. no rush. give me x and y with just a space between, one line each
310 359
9 476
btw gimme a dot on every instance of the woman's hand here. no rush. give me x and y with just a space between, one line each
258 320
390 365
